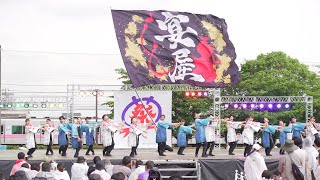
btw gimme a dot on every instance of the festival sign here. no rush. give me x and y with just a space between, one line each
164 47
145 106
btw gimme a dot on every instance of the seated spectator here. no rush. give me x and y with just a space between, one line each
175 177
101 171
138 169
154 174
79 169
109 167
266 174
21 160
95 177
254 164
60 173
145 175
277 175
35 168
93 167
14 177
21 174
45 173
125 168
118 176
25 167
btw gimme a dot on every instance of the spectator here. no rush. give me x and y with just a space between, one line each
79 169
254 164
125 168
95 177
21 174
45 173
35 168
317 170
175 177
139 169
60 173
19 162
266 174
109 167
145 175
14 177
118 176
25 167
277 176
101 171
298 156
93 167
312 154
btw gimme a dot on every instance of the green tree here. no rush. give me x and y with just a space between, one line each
276 74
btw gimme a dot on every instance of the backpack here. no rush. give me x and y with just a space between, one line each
296 171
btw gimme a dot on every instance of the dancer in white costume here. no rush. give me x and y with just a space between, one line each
47 136
31 143
107 133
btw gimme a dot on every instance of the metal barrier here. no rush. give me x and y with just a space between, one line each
194 163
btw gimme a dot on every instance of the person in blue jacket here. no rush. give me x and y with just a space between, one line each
182 136
89 128
63 136
161 135
283 134
76 134
297 128
267 136
200 134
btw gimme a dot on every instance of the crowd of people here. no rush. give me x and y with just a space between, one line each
301 160
205 136
99 170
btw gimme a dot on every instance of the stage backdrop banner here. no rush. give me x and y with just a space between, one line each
167 47
152 104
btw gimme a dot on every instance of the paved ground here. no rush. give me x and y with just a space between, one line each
143 154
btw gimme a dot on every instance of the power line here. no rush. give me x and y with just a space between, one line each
66 53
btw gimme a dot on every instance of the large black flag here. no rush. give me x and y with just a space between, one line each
163 47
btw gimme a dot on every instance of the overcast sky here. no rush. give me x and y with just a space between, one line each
85 26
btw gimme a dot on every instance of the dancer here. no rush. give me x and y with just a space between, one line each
107 133
311 129
63 136
31 143
47 136
200 134
77 133
248 134
297 128
210 132
283 134
231 134
89 128
182 136
161 135
134 134
267 136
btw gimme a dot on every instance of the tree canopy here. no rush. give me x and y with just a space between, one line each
277 74
272 74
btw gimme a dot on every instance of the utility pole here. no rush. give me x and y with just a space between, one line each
96 94
0 101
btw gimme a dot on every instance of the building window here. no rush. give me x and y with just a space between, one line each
18 129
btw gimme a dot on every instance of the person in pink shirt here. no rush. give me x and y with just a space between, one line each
21 159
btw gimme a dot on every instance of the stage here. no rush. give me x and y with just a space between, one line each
220 166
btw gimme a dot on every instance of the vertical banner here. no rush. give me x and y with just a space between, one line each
152 104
